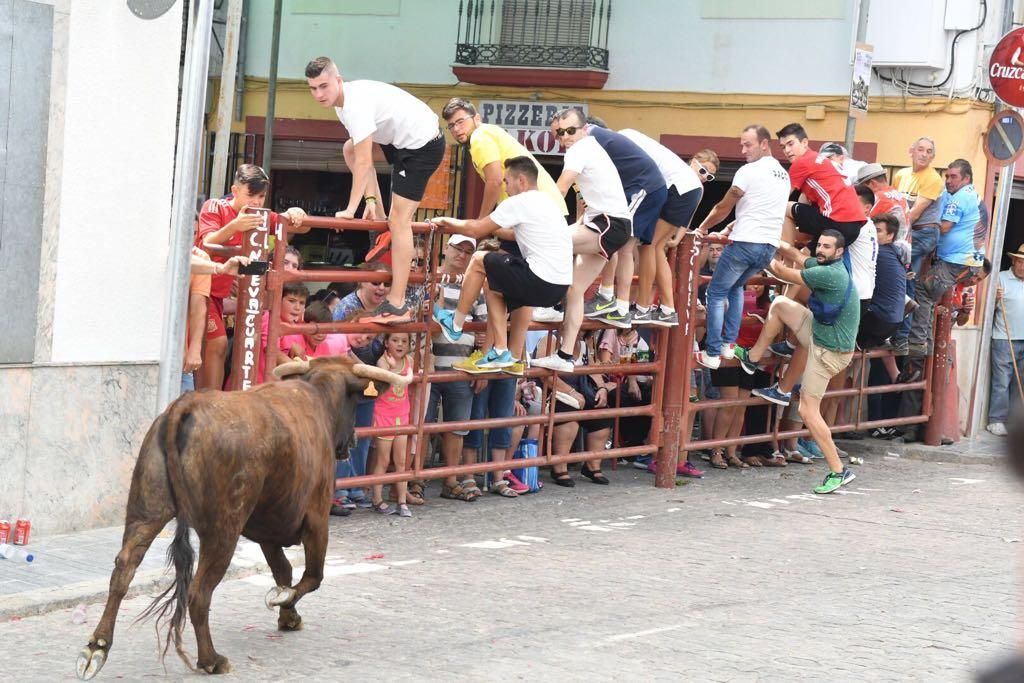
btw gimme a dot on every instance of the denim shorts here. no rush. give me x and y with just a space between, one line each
496 399
455 400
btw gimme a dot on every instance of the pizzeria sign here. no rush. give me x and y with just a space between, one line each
527 121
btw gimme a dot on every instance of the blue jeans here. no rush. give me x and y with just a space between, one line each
1004 384
739 262
355 466
923 244
496 399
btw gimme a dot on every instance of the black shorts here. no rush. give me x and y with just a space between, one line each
511 277
679 208
412 168
589 425
614 232
734 376
809 221
873 332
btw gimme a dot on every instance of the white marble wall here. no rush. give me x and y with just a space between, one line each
69 438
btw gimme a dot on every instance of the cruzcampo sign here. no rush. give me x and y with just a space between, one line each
1006 68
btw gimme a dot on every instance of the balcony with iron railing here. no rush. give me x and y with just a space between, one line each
533 43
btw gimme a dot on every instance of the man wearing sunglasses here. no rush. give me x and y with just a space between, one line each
602 229
408 133
647 192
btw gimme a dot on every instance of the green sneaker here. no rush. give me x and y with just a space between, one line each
743 356
833 480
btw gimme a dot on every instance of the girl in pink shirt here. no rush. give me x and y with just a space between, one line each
391 409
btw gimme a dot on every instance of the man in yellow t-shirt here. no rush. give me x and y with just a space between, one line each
922 186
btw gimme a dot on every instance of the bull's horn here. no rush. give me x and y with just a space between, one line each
380 374
295 367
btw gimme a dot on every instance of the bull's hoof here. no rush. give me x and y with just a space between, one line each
220 665
289 620
278 596
90 661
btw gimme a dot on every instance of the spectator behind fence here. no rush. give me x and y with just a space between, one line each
921 186
455 399
366 297
202 269
306 346
578 392
759 193
1007 344
883 314
828 334
956 257
222 222
292 258
391 409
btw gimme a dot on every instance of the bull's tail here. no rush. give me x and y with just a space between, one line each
180 554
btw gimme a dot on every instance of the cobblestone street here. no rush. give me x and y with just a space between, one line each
911 575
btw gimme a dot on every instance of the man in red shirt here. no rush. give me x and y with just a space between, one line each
832 204
887 198
222 223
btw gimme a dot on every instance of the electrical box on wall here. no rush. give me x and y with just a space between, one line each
911 33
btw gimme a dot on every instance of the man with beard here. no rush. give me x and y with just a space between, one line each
827 328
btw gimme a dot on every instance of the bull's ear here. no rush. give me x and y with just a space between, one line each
356 384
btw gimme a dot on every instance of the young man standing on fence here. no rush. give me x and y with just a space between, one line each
540 277
1007 344
828 334
411 139
759 193
601 230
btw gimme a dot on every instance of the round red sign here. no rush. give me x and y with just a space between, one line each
1006 68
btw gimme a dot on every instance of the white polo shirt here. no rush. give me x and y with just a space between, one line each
598 179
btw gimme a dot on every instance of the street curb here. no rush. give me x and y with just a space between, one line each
45 600
875 449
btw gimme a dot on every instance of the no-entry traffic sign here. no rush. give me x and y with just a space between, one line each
1004 139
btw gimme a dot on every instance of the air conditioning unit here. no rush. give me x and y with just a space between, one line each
913 33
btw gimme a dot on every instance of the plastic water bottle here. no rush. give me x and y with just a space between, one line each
78 615
11 552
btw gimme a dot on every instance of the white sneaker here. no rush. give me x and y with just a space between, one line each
997 428
553 362
707 361
547 315
728 351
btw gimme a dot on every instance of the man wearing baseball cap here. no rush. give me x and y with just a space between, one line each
1007 343
847 165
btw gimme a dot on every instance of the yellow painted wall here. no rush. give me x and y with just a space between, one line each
957 126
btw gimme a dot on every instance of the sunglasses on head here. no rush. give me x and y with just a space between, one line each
705 173
571 130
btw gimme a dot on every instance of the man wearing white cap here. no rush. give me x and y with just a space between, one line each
1007 343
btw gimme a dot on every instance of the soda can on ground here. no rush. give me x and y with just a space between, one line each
22 529
5 531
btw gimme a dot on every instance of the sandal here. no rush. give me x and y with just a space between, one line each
717 461
404 511
457 492
410 497
798 457
562 479
596 476
384 509
734 461
753 460
774 460
501 488
469 485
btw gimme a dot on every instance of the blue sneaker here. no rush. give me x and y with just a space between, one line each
446 319
773 394
782 349
743 356
809 449
496 361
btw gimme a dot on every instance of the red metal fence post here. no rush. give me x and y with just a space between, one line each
245 360
940 372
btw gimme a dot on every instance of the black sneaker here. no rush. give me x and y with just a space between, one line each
339 510
389 314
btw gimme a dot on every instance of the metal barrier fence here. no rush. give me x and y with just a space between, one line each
670 409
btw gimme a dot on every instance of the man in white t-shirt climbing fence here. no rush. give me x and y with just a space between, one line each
759 193
409 135
602 229
511 283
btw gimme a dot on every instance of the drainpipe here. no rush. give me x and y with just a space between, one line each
183 198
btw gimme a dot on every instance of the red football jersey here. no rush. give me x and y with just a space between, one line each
215 214
824 186
891 200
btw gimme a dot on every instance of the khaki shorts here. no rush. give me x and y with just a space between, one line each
822 364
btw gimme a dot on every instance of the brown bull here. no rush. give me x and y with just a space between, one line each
259 464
